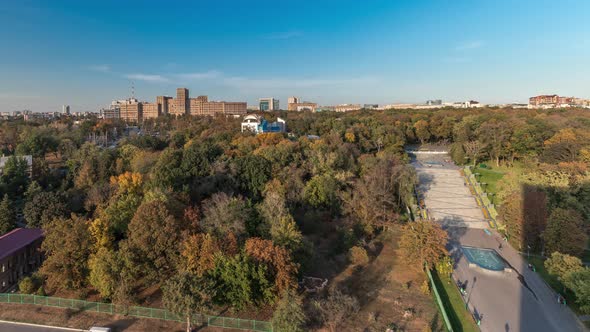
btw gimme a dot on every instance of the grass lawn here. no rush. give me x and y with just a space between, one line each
490 177
554 283
460 318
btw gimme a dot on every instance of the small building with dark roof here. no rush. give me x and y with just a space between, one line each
19 255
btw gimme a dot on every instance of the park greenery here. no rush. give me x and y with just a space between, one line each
205 216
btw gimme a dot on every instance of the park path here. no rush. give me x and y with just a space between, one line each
447 197
505 301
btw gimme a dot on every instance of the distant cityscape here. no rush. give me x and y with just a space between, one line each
134 111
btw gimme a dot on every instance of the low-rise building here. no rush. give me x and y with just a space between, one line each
347 107
257 124
19 255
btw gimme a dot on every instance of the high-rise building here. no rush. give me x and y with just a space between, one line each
131 112
165 103
150 110
202 106
182 102
65 109
269 104
292 100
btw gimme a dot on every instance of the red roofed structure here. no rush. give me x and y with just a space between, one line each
19 255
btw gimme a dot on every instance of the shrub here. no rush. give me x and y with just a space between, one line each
27 286
358 256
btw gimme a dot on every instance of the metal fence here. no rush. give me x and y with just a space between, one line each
135 311
439 301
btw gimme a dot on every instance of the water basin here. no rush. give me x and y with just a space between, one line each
485 258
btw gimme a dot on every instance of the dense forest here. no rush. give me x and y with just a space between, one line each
236 219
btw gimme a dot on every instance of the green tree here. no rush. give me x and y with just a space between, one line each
240 282
579 283
252 173
7 216
289 316
321 191
197 158
43 207
14 177
565 232
285 233
185 294
105 268
38 142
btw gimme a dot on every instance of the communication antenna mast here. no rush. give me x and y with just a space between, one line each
132 90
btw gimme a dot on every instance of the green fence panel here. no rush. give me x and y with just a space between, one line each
439 301
53 302
197 318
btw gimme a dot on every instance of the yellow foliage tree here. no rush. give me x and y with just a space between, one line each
198 253
101 233
128 182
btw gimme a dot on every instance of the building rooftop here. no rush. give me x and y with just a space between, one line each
18 239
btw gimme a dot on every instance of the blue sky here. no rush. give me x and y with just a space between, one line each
86 53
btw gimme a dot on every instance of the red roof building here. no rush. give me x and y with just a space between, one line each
19 255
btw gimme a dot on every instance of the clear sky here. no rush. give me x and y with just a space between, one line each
86 53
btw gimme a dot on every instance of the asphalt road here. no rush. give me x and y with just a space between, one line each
15 327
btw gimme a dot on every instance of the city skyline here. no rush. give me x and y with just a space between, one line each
85 55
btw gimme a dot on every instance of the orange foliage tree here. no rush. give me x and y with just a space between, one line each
277 260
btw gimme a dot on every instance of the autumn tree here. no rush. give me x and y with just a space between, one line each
422 131
7 216
423 242
563 146
385 188
561 265
223 214
472 149
565 233
67 247
277 259
185 294
494 136
154 238
198 253
335 309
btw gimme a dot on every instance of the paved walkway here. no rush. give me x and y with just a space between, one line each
447 198
506 301
509 301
